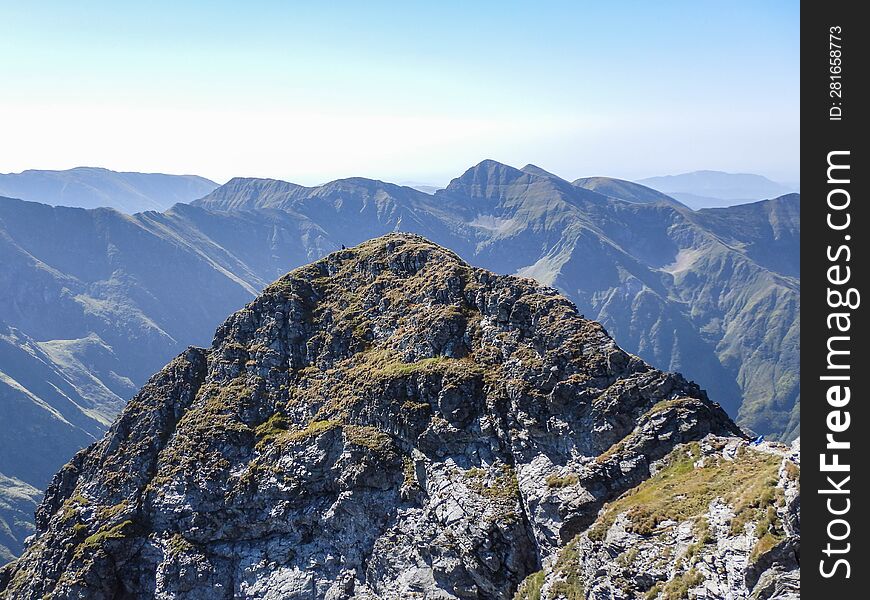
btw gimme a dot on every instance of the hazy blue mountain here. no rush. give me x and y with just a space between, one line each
94 301
707 189
624 190
89 187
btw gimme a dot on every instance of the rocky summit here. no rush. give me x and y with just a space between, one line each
390 422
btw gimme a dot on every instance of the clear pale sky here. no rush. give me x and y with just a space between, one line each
400 91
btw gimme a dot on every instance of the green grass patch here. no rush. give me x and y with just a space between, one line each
368 437
664 405
680 491
271 429
678 587
499 485
395 369
178 545
569 583
110 513
409 473
627 558
312 430
561 481
792 471
765 544
71 507
530 588
95 542
409 406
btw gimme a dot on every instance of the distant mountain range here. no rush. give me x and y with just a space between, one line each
89 187
708 189
94 301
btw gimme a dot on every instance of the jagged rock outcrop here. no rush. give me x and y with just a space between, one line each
718 519
387 422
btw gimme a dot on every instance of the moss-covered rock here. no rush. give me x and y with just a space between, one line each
714 516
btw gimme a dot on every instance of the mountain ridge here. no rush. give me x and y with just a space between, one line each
93 187
624 190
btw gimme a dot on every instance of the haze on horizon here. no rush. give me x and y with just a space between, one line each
400 93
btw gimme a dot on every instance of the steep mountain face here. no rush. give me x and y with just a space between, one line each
708 189
387 422
246 193
768 232
89 187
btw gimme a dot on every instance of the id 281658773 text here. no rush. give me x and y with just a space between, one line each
835 71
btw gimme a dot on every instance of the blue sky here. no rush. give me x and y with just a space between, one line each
410 91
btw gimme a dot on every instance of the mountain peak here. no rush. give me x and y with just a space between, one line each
492 169
245 193
538 171
388 406
485 179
